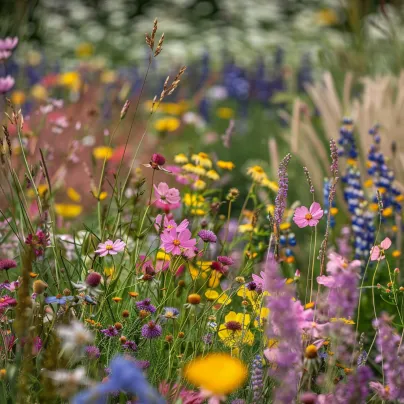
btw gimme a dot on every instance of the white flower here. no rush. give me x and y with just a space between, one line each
76 376
74 336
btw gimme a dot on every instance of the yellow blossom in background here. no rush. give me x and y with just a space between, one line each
211 294
68 211
262 317
326 17
42 189
18 97
399 198
234 331
374 207
101 196
201 269
225 113
217 373
73 194
387 212
202 159
225 165
198 212
84 50
195 201
368 183
246 228
396 254
343 319
257 173
172 108
102 152
180 158
334 211
162 256
213 175
39 92
108 77
272 185
167 124
71 80
109 272
271 209
34 58
199 185
224 298
214 279
285 226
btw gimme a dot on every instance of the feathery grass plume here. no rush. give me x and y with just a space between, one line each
226 138
308 178
168 89
8 141
281 197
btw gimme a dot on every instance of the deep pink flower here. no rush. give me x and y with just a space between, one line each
110 247
7 301
170 224
308 217
166 206
377 252
174 242
166 195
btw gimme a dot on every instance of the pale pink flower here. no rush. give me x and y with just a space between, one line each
377 252
4 54
175 243
8 43
167 195
6 84
170 224
110 247
308 217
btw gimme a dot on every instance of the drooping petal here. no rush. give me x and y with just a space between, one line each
315 207
385 244
374 253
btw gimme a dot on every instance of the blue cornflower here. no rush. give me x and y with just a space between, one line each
125 376
170 313
59 299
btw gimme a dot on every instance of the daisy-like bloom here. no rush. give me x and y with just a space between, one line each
202 159
377 253
170 224
213 175
145 305
7 264
207 236
257 173
167 195
59 299
225 165
74 336
181 158
219 374
6 84
110 247
308 217
199 185
175 243
167 124
170 313
223 259
6 302
156 163
151 330
234 331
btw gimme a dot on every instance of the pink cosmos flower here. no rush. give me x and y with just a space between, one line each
170 224
110 247
166 206
174 242
166 195
308 217
377 252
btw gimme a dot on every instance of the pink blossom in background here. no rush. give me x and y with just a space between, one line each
308 217
167 207
6 84
167 195
377 252
174 242
170 224
8 43
110 247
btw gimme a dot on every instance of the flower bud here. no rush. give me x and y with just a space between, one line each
125 109
39 286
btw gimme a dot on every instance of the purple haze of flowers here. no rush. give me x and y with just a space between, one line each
356 389
280 201
125 376
391 357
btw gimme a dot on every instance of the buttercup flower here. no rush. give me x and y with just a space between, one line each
308 217
234 331
110 247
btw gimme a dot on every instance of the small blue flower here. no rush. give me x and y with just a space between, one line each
58 299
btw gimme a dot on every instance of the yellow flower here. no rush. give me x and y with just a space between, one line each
193 200
39 92
162 256
70 80
225 165
42 189
213 175
68 211
399 198
199 185
117 299
309 305
225 113
84 50
171 108
234 331
246 228
224 299
18 97
334 211
214 279
374 207
251 295
262 317
101 196
257 173
202 159
343 319
211 294
167 124
102 152
285 226
108 77
218 373
198 212
181 158
387 212
271 209
396 254
368 183
200 270
73 194
109 272
272 185
326 17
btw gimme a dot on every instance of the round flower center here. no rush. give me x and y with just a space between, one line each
233 326
176 242
308 216
109 247
311 352
170 226
169 314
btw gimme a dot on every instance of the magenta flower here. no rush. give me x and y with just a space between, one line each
110 247
6 84
167 195
377 252
8 43
308 217
174 242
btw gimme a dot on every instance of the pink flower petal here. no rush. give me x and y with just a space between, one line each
374 253
315 206
313 222
301 222
386 243
302 211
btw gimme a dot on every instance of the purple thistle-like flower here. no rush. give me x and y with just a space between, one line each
143 364
223 259
151 330
281 197
356 389
207 339
131 345
391 354
93 352
146 305
7 264
110 331
207 236
257 378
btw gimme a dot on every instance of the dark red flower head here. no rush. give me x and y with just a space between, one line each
157 160
93 279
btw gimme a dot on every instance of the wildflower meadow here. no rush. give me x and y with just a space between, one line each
208 216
